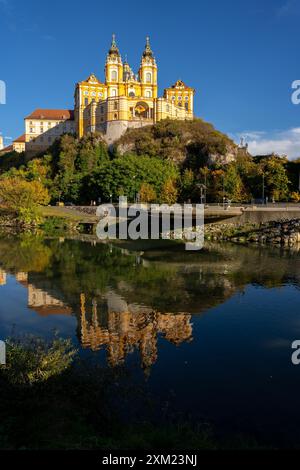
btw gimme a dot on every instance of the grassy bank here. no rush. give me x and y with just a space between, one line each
49 219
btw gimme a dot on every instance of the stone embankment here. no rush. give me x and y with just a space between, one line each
283 233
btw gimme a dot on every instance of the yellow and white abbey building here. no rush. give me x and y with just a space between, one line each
123 100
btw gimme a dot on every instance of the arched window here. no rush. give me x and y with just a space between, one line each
114 76
148 77
148 94
113 92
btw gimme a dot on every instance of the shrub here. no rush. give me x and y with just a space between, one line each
32 360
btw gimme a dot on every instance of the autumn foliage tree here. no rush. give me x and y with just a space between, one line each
23 197
169 192
147 193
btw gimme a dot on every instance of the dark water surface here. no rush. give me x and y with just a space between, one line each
209 332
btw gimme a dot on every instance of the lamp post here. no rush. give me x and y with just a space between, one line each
263 188
134 188
202 188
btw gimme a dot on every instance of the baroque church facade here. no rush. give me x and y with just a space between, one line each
124 100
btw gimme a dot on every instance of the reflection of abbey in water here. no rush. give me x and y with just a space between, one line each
42 301
110 322
123 327
46 304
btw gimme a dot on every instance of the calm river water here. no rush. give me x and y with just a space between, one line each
209 332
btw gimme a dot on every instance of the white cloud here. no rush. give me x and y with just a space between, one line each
281 142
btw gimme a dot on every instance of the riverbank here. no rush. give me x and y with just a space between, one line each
50 219
65 220
282 233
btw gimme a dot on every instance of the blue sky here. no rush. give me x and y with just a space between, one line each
240 56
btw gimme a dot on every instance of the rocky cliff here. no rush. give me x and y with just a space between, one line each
187 143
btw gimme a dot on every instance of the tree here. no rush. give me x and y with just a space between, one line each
169 192
23 197
124 176
16 193
147 193
295 196
92 152
216 185
233 185
276 179
187 184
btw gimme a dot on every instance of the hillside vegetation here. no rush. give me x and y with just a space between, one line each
187 143
172 161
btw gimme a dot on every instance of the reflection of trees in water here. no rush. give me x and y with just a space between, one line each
25 253
132 294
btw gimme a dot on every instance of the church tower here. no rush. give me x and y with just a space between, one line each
114 70
148 72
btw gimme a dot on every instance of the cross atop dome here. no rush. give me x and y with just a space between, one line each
114 48
148 51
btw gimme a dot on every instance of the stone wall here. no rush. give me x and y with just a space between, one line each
283 232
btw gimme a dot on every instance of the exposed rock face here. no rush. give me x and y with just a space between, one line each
223 159
187 143
125 147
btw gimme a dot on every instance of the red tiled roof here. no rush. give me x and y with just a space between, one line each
54 114
46 310
20 139
7 149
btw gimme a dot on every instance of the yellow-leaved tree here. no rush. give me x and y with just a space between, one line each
23 197
169 192
147 193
